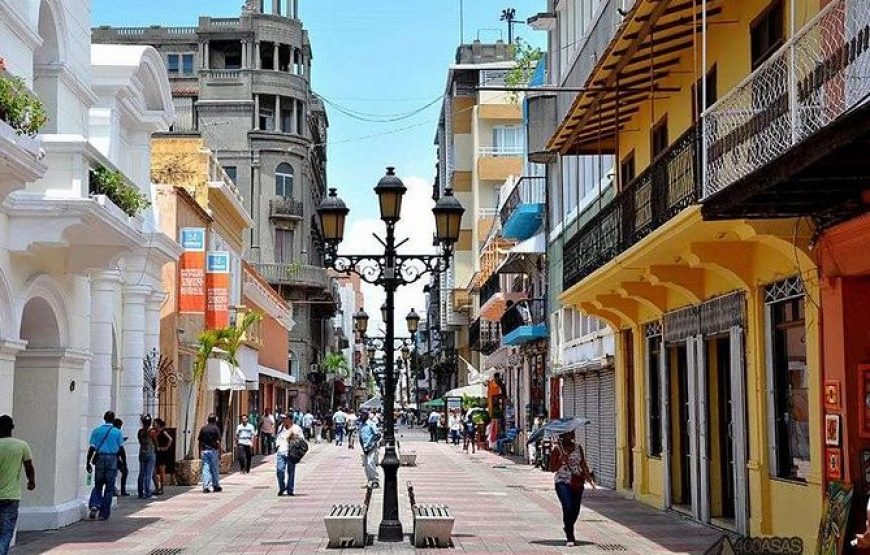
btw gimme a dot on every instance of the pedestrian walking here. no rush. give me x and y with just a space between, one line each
308 425
267 433
106 442
147 458
210 453
318 428
123 469
350 426
469 433
285 463
14 455
369 438
434 419
338 421
571 474
455 427
245 441
165 455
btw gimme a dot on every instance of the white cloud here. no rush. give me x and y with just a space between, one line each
418 226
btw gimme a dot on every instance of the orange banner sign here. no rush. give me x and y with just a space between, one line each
191 272
217 284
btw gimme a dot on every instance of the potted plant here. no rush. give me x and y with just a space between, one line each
19 108
227 340
111 183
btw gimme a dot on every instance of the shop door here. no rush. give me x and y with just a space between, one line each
568 394
722 470
628 354
679 433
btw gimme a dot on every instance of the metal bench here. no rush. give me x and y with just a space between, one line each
433 523
346 523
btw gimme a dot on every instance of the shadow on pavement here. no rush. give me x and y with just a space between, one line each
559 543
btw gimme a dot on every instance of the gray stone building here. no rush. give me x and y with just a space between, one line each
243 84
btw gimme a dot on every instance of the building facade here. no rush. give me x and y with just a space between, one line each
243 85
702 257
480 140
80 263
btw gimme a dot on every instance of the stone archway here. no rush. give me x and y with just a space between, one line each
46 408
48 60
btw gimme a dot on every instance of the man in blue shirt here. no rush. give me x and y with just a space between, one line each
369 437
106 442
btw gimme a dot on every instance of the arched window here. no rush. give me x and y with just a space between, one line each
284 180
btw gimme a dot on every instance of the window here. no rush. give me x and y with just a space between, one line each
767 33
232 172
187 64
284 180
508 140
659 138
267 119
172 64
698 91
179 64
654 420
790 388
283 246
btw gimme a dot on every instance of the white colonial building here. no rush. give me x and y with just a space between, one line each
80 290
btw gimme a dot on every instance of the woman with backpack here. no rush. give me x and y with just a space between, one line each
571 474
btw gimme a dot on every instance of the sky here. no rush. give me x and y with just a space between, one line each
379 57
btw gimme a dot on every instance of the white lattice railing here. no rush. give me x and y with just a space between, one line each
818 75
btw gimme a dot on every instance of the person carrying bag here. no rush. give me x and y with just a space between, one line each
568 462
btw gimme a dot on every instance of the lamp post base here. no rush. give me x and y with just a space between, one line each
390 529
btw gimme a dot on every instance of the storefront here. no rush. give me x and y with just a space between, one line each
591 393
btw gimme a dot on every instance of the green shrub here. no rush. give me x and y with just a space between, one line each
128 198
18 107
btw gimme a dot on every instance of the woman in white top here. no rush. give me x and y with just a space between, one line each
455 424
571 473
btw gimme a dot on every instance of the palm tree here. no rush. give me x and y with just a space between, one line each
335 363
228 340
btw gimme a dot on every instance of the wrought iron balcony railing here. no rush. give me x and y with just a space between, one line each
286 208
819 74
485 336
666 187
528 190
528 312
302 275
502 283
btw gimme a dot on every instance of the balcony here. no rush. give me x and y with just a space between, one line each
666 187
498 290
283 209
485 336
791 139
525 321
497 163
523 212
294 275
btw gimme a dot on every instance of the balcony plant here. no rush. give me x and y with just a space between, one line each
335 363
103 181
19 108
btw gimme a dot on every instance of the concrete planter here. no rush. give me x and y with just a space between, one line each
188 472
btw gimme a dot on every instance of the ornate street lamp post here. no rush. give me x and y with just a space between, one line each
390 270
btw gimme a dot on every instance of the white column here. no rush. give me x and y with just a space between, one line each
275 63
244 54
258 63
294 127
152 329
276 7
103 288
202 55
205 61
256 112
278 113
8 349
130 398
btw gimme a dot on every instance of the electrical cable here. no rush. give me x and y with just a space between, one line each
378 118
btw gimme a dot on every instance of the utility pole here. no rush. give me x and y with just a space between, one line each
509 14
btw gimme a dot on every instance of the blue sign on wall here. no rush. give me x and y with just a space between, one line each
193 238
218 262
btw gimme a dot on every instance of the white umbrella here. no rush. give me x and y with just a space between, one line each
373 403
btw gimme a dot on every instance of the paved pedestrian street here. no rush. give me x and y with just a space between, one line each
500 507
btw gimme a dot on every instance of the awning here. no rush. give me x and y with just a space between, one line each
523 256
373 403
223 376
434 404
272 373
477 391
583 366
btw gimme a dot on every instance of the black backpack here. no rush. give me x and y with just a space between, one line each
296 449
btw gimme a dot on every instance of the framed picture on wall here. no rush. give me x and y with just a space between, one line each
834 463
832 395
832 430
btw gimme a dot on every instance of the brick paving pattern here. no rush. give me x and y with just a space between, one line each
500 507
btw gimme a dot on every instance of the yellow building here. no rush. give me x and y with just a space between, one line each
718 351
480 143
